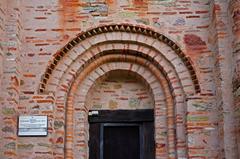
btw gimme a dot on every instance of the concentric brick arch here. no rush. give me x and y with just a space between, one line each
121 32
171 66
77 98
172 70
62 93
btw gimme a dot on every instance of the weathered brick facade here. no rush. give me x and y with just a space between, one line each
181 57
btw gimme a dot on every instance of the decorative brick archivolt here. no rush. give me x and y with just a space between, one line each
77 61
110 33
78 65
164 113
62 94
81 57
175 88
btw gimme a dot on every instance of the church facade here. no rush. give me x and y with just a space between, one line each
166 72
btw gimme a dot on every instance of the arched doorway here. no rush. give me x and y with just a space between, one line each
92 54
121 117
161 104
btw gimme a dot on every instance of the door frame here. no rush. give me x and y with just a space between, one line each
139 117
124 116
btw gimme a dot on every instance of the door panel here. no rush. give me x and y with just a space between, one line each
121 142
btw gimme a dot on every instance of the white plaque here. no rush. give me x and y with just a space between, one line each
32 125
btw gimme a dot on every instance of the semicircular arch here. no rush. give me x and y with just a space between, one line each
128 33
143 63
160 55
162 104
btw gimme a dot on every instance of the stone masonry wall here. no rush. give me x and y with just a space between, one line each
35 147
2 31
32 32
221 38
217 106
2 17
225 60
10 89
49 25
120 90
234 11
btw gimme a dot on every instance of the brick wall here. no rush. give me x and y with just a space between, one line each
2 30
11 76
234 9
35 147
34 32
48 26
221 39
120 90
225 52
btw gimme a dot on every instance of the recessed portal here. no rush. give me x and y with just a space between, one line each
123 128
122 134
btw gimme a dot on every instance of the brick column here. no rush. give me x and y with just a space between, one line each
234 8
224 74
202 127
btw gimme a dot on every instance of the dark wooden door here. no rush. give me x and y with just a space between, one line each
121 142
122 134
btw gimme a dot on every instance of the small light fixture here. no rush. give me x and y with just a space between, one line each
93 113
